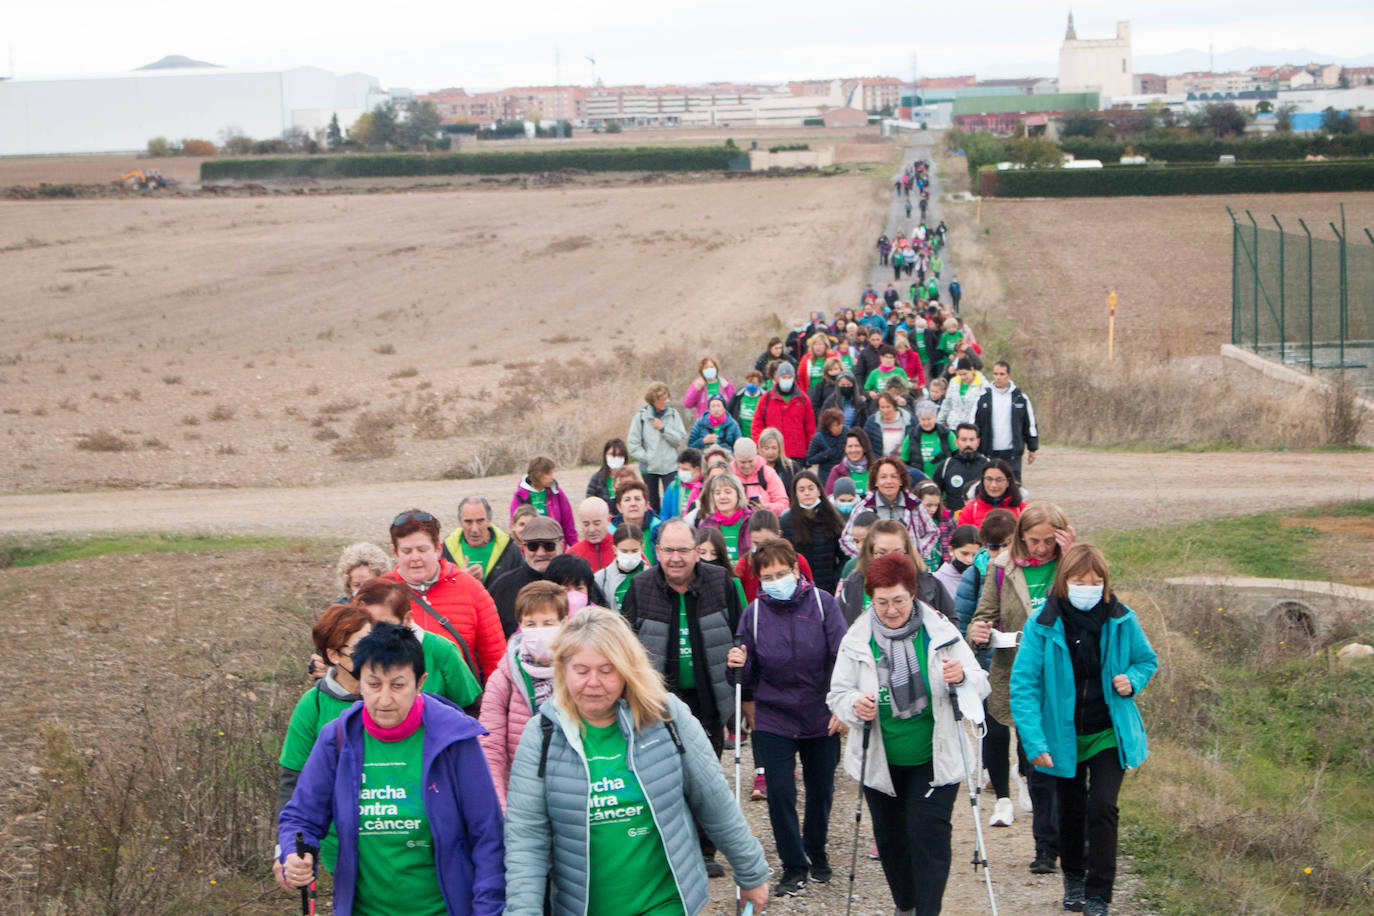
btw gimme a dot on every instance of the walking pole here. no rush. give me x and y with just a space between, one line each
858 818
739 736
308 892
974 790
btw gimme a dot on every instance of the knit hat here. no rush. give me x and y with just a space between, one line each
845 487
786 370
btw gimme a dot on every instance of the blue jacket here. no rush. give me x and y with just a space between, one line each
726 433
1043 690
788 665
460 801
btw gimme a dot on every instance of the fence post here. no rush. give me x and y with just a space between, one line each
1283 318
1311 367
1235 279
1340 237
1254 265
1345 290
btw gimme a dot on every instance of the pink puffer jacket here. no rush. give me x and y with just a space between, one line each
505 712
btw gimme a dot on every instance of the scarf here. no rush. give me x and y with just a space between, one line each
1032 561
898 669
1083 633
856 467
541 677
407 727
730 519
714 420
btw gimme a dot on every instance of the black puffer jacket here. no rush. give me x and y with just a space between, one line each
823 552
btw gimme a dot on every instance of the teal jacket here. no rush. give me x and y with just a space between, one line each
1042 687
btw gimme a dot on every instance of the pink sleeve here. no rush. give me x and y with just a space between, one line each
514 503
777 496
493 719
692 398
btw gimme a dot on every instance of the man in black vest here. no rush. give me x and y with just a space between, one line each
686 613
960 471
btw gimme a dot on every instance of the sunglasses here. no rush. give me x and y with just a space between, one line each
545 546
417 516
994 546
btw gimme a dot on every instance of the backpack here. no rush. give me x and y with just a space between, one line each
546 739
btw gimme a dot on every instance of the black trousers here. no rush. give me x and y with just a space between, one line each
1011 458
799 845
1045 816
913 833
1087 809
882 258
657 485
715 732
997 755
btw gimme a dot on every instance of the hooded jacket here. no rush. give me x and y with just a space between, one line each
765 484
923 528
859 406
958 407
556 506
655 449
726 433
460 802
505 553
1043 689
790 651
977 508
825 452
1025 437
506 709
856 673
548 841
791 415
699 399
467 607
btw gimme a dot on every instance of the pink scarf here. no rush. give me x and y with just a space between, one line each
407 727
1033 562
714 420
730 519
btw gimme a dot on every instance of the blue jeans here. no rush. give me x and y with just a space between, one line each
798 847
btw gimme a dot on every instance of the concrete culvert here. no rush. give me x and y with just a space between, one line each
1293 627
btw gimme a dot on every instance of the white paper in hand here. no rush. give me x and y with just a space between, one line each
1002 640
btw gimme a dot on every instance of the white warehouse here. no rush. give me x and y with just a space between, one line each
123 112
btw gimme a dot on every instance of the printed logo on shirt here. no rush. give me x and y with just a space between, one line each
957 480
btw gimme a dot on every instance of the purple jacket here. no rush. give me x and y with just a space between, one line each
460 800
789 665
556 502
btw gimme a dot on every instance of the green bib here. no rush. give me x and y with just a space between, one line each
395 846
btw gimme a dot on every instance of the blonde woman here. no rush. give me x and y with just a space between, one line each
613 743
358 563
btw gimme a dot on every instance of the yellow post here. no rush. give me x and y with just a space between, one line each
1111 324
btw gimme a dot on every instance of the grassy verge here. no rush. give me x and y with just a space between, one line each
42 550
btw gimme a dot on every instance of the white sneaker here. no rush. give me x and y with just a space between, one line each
1003 814
1023 794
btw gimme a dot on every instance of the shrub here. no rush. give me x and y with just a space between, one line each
373 436
1139 181
102 440
158 146
789 147
648 159
197 148
1172 149
221 412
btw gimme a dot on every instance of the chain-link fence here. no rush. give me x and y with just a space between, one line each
1304 295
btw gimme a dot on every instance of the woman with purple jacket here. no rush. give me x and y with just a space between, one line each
788 639
406 785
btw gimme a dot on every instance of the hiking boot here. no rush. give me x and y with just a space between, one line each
820 869
1073 892
1043 864
1003 814
1094 906
760 788
898 911
793 883
713 868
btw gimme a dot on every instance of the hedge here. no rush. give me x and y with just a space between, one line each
1282 147
1143 181
644 158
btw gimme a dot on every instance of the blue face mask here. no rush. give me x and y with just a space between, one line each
780 589
1085 597
845 508
751 388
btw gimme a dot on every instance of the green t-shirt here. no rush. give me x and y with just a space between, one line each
610 489
1090 746
624 585
860 483
448 675
1038 579
479 555
847 359
395 846
931 447
739 590
540 500
748 405
686 673
712 388
629 873
313 712
815 370
731 535
907 742
877 379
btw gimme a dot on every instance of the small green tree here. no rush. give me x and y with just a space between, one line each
1224 119
385 131
1034 152
421 124
158 146
1283 118
334 137
1081 124
1265 106
1337 122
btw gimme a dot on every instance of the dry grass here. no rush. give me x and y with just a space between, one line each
1344 415
373 436
221 413
102 440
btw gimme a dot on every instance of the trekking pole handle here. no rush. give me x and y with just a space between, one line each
307 892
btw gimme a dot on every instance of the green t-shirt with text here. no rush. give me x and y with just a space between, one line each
731 535
1038 579
932 448
540 500
686 673
479 555
629 872
395 845
907 742
877 379
748 406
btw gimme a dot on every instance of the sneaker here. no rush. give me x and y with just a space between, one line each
729 741
1094 906
1073 892
760 788
1043 864
713 868
1023 795
820 869
1003 814
873 852
793 883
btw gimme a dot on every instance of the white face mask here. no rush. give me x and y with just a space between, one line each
534 641
811 505
785 384
780 589
709 373
629 561
1085 597
615 462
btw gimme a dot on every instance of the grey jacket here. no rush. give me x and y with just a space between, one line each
547 837
656 450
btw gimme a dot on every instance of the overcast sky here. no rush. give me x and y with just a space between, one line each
427 44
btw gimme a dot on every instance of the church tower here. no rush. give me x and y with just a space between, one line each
1070 35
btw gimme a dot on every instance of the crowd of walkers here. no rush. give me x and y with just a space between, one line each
834 561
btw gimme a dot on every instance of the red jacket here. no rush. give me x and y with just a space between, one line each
794 417
744 572
599 555
976 509
468 608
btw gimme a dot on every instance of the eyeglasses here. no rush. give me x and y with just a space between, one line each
680 551
545 546
423 518
896 604
994 480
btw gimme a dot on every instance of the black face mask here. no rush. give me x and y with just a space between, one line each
958 564
846 391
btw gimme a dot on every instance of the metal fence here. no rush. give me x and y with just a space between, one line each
1304 296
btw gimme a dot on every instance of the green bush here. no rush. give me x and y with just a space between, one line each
789 147
813 122
1171 149
1131 181
644 158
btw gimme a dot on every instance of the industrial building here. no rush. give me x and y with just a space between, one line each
1101 65
123 112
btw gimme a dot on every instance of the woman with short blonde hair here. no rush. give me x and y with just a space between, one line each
357 559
